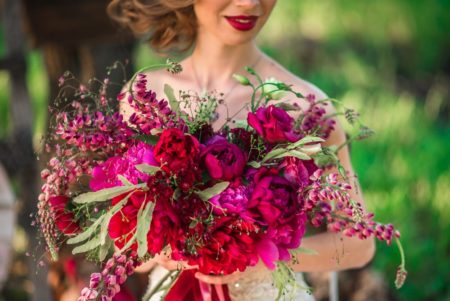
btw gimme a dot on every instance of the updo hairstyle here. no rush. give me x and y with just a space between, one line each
168 24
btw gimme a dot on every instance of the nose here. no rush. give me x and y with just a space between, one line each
247 3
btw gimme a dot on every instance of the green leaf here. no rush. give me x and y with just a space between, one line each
288 107
311 149
305 140
254 164
148 139
108 216
104 194
298 154
241 123
87 233
144 221
124 181
104 250
89 245
302 250
173 102
274 153
208 193
148 169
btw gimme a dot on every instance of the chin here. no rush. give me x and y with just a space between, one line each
237 38
237 41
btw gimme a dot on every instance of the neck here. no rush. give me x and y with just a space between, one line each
215 63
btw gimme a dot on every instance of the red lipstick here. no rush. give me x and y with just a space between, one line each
242 23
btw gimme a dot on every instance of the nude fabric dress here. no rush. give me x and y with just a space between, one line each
258 287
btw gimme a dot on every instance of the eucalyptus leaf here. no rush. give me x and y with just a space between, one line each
87 233
124 181
104 194
241 123
208 193
305 140
148 139
295 153
144 220
302 250
311 149
108 216
254 164
173 102
288 107
104 250
89 245
148 169
274 153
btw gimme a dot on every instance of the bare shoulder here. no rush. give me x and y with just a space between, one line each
274 69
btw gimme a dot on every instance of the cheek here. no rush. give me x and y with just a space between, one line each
207 12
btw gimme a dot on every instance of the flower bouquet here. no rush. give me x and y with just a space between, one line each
124 189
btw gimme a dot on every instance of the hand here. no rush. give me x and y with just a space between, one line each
232 278
164 260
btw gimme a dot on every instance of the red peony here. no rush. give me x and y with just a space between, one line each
223 160
273 124
64 220
176 150
229 246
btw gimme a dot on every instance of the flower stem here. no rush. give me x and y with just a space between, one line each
158 286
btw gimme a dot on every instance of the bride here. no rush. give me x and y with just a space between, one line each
221 35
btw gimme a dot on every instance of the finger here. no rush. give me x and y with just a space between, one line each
217 279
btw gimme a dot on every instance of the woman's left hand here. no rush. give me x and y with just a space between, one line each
232 278
227 279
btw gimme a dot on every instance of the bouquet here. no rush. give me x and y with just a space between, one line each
124 189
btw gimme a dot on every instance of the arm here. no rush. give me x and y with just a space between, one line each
335 250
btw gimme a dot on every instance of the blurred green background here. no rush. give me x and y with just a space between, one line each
390 61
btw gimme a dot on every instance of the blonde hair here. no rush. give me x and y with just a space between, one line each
170 24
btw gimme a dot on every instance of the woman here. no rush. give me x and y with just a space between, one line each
222 35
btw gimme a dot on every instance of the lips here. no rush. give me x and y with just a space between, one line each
242 23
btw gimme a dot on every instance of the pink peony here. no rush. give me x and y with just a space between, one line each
106 174
232 201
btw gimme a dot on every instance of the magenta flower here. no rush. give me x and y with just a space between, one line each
223 160
273 124
298 171
232 201
106 174
274 204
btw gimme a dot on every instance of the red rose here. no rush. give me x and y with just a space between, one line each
175 150
273 124
64 220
